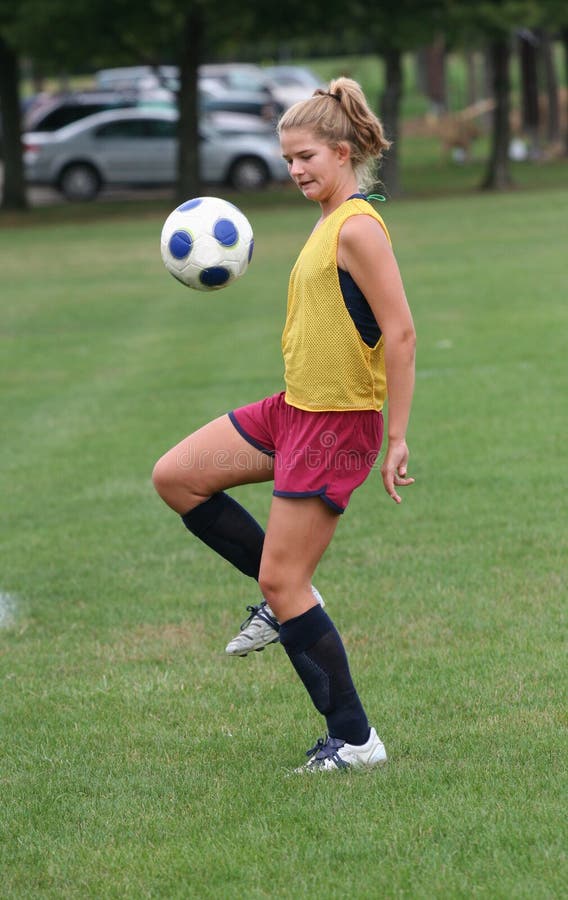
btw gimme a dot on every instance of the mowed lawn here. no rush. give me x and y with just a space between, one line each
137 759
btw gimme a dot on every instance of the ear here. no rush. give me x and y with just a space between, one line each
343 151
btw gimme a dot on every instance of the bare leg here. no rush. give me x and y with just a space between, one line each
210 460
297 535
191 478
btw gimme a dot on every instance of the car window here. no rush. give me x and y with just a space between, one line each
122 128
137 128
160 128
64 115
245 81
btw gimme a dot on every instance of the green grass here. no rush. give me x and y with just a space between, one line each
138 761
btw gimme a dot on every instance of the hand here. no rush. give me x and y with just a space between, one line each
393 469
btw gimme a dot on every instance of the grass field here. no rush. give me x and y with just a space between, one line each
139 761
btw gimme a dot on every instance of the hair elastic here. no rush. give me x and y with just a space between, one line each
376 197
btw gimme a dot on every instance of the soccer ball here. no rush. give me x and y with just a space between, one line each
206 243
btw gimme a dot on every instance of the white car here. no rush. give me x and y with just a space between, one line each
138 147
291 83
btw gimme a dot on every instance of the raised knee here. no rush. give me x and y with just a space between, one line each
161 477
176 485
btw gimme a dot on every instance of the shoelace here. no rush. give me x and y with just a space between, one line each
319 745
260 612
326 748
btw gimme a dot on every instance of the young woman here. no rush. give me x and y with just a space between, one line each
348 333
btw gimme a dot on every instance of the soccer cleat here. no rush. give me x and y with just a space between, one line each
333 754
259 630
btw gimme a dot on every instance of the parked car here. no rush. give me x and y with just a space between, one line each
236 122
139 147
136 77
237 76
232 88
212 98
291 83
284 85
292 76
49 112
220 90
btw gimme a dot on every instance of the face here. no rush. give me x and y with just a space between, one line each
319 170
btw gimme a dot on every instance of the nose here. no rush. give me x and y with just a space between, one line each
296 168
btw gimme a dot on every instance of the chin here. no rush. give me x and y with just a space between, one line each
311 192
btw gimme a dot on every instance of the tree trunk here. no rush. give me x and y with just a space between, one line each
551 84
14 193
188 181
498 176
528 58
436 76
431 75
390 115
564 37
472 82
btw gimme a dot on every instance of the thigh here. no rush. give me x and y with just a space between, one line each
211 459
298 533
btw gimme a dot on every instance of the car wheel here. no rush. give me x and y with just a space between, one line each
79 181
249 174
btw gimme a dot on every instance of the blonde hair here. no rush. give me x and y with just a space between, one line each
341 114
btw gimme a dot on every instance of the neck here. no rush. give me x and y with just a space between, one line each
339 196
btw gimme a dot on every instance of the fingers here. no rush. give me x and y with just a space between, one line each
394 470
392 480
399 480
389 482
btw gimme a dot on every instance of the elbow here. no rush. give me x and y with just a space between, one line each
406 341
401 344
409 338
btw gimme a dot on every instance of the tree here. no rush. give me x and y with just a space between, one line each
551 85
498 174
564 35
431 61
530 108
14 193
491 23
395 28
389 29
554 19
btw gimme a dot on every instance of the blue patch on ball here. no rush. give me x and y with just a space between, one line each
251 248
226 232
190 204
180 244
215 276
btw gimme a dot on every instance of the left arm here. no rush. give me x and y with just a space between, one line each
365 252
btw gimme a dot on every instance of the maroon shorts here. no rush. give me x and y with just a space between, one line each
316 454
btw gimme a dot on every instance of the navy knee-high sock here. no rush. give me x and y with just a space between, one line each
316 651
226 527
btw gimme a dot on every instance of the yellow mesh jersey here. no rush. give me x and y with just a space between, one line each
328 366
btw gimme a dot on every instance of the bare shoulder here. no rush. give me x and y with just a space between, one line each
361 235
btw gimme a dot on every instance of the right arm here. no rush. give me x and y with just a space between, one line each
365 252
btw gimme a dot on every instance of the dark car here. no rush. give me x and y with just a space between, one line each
251 103
54 111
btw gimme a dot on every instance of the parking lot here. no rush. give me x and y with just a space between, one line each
47 196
